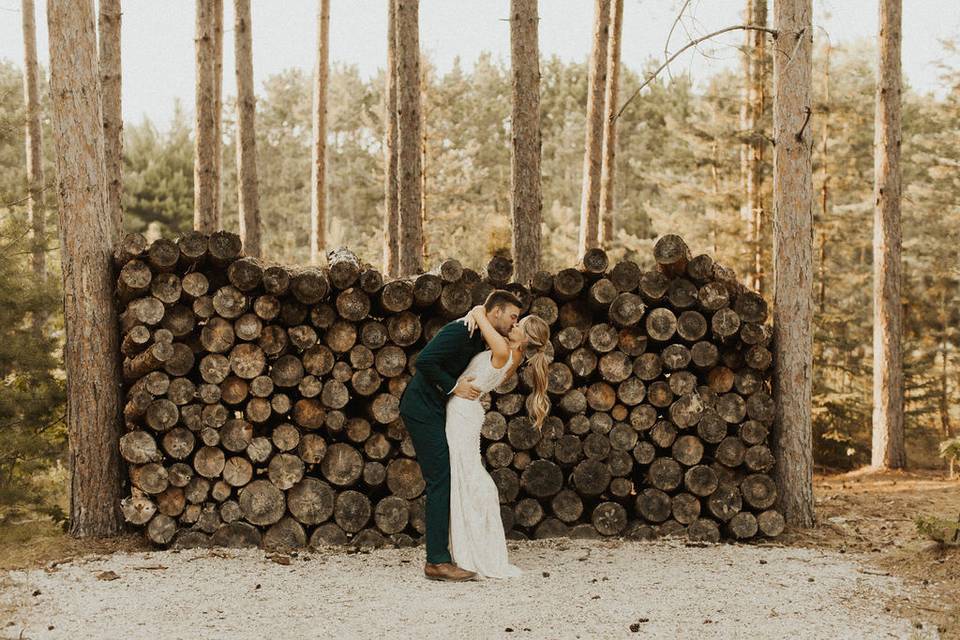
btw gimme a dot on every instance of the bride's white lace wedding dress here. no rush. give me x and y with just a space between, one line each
477 541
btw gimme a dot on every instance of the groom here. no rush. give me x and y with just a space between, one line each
423 408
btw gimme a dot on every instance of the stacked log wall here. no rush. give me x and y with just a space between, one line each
262 401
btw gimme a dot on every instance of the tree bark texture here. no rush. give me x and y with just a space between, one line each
408 127
611 97
318 166
91 348
110 81
204 154
527 200
593 144
888 449
793 258
248 190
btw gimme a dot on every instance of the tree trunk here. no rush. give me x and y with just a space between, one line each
792 250
318 171
204 169
944 400
36 212
824 184
608 169
424 99
751 116
525 166
408 125
86 241
218 110
248 195
888 449
593 145
110 78
391 217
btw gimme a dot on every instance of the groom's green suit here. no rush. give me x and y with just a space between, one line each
424 411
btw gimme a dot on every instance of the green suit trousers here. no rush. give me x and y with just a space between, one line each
423 409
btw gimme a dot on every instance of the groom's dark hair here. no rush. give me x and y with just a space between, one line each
500 298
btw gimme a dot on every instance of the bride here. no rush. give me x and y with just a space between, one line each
477 540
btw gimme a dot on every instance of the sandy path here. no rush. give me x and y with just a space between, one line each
571 589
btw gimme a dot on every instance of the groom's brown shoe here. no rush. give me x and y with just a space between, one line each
447 572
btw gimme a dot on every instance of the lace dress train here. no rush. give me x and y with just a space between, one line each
477 540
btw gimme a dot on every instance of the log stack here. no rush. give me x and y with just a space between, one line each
262 401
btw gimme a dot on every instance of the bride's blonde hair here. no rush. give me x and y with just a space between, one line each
538 333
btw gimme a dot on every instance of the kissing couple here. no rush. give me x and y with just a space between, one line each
442 413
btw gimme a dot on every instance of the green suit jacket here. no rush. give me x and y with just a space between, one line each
438 366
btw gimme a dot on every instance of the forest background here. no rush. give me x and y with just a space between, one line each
679 171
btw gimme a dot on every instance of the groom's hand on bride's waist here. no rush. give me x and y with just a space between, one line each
465 389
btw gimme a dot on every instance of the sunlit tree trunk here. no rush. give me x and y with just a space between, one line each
824 182
526 202
608 170
424 148
110 80
408 121
248 190
91 348
593 145
793 258
204 169
391 214
888 444
218 111
944 358
36 212
318 171
754 106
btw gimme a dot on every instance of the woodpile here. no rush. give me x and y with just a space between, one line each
262 401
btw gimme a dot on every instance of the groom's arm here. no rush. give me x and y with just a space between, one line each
451 340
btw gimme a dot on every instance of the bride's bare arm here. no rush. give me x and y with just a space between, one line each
497 343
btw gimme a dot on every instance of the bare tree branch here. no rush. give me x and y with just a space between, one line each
692 43
24 198
676 21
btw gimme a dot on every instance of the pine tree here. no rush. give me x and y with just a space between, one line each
92 345
110 80
248 193
888 442
526 201
205 172
36 211
408 120
792 254
391 213
217 151
318 166
751 117
611 94
593 145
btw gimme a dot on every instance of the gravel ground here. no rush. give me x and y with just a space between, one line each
570 589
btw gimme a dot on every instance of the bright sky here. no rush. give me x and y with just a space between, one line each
158 63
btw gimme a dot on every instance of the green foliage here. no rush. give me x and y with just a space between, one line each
950 448
158 176
32 426
32 430
950 451
843 253
938 529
